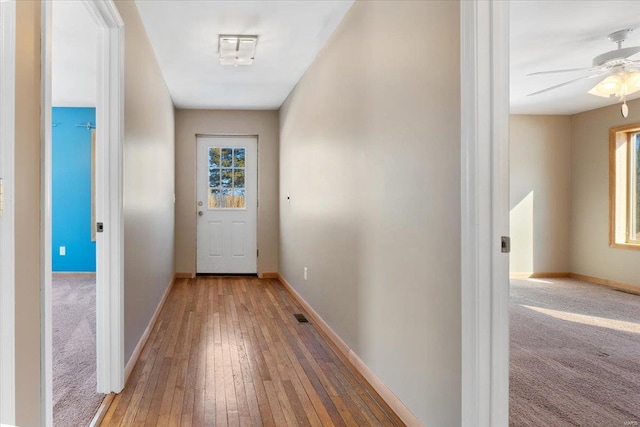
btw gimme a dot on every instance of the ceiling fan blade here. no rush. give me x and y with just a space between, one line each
569 82
565 70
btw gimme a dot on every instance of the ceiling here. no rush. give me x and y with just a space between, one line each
74 59
184 35
550 35
544 35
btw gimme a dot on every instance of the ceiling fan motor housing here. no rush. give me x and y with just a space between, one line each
618 55
619 36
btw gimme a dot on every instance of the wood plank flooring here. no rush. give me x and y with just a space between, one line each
227 351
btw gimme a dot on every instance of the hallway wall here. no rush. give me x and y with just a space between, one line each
27 214
149 159
370 196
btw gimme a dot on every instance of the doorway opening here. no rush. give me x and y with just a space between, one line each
105 224
572 329
73 230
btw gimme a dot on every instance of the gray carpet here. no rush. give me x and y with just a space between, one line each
75 399
575 354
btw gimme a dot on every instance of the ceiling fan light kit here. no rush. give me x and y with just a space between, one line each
622 75
619 85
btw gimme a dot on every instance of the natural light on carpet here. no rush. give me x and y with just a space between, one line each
541 281
602 322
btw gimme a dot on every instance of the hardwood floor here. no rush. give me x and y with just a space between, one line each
228 351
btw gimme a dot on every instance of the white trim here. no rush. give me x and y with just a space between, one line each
381 388
485 180
46 325
500 202
109 209
109 201
7 232
145 336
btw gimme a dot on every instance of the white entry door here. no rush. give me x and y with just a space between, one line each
227 196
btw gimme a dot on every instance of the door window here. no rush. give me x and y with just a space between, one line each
226 178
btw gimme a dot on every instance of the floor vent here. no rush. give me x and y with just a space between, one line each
300 318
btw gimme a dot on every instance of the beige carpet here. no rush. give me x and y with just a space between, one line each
575 354
75 399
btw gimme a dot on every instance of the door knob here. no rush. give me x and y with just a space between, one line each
200 213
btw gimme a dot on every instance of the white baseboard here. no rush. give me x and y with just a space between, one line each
145 336
385 393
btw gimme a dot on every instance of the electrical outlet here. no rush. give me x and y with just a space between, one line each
63 250
305 273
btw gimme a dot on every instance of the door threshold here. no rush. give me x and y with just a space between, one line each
226 274
102 410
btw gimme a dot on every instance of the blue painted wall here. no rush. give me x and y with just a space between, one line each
72 190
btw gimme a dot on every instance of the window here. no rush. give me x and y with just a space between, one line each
624 186
226 178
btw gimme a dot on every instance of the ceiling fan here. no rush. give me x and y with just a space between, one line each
622 75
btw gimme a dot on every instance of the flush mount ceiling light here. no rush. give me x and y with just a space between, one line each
621 74
237 49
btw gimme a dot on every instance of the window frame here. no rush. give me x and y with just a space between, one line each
621 200
233 168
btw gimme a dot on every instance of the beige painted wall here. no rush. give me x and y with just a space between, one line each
27 213
590 251
226 122
370 156
149 147
540 193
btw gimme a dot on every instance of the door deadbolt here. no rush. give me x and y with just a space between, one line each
199 203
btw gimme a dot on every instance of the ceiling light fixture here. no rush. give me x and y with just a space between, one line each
624 77
237 49
620 85
621 74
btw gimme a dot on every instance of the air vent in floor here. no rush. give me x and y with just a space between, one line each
301 318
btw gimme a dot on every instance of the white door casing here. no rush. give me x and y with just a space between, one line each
7 233
484 36
226 194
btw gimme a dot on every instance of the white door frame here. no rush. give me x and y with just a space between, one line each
257 177
484 27
7 242
109 200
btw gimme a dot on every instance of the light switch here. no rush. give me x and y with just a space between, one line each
63 250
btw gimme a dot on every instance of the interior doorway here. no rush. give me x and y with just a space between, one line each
73 230
108 54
